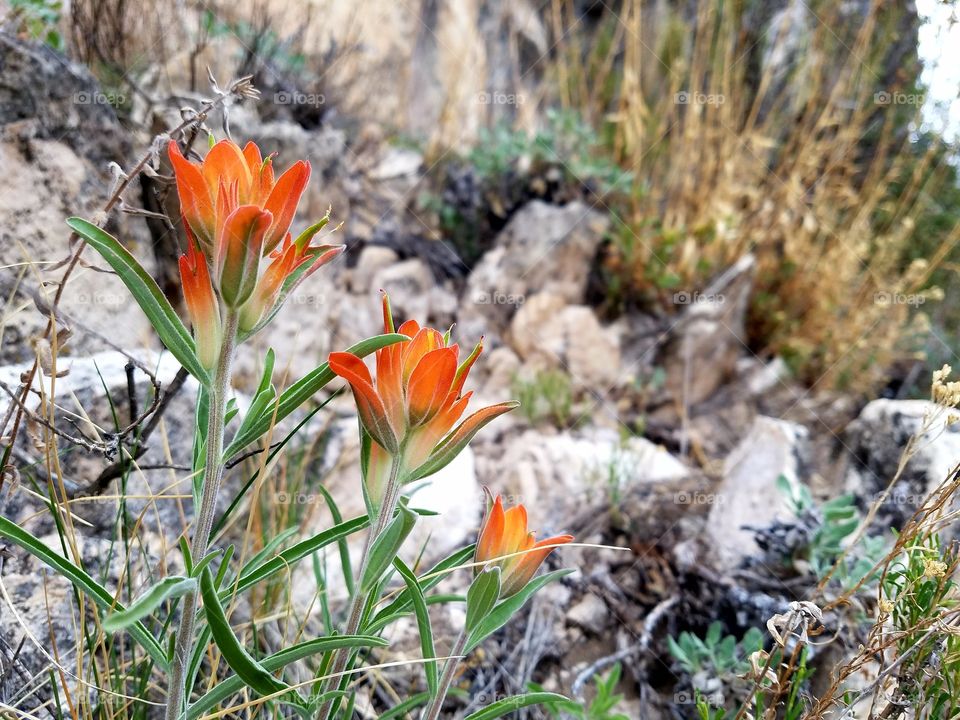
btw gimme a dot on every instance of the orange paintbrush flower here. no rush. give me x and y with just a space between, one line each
410 409
248 178
240 217
505 533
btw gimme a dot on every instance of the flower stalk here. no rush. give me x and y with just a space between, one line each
449 668
360 596
212 476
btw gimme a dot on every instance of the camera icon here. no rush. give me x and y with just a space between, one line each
83 98
882 298
283 98
684 698
483 98
882 98
683 498
681 98
682 298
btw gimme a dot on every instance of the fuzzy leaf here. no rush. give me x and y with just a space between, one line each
512 704
147 293
301 391
170 587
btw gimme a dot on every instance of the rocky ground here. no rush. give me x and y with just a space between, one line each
662 435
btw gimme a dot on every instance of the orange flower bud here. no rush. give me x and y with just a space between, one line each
201 304
505 533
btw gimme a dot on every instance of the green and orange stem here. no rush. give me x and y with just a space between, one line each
212 477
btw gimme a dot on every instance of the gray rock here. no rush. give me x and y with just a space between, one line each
544 248
562 472
747 494
57 135
877 440
82 396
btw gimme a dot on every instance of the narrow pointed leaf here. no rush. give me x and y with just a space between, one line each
170 587
423 623
301 391
251 672
502 613
147 293
385 547
482 596
297 552
224 689
428 581
510 705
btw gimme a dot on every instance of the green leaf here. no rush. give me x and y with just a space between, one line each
225 688
386 546
302 390
514 703
84 582
285 559
170 587
147 293
502 613
401 710
252 673
428 581
482 596
423 622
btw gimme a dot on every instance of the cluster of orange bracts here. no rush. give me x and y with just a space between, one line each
241 258
240 253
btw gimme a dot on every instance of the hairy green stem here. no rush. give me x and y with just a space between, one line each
212 476
446 679
389 504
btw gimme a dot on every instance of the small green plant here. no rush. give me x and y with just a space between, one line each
603 706
836 521
547 397
919 595
566 141
716 653
40 20
706 711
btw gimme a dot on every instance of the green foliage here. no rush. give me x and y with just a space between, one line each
838 519
603 706
920 586
147 293
547 397
715 652
566 142
40 20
